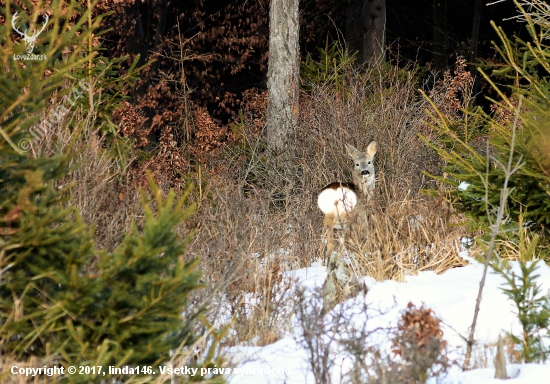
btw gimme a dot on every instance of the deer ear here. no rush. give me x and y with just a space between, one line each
371 149
352 151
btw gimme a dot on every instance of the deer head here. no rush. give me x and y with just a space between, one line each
363 168
29 40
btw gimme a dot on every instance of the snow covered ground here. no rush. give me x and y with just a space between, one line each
451 295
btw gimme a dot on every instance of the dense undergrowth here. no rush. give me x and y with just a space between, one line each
73 196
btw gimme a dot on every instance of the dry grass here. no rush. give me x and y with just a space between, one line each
406 232
381 105
244 248
100 188
405 236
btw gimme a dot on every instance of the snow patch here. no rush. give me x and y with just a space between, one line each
451 295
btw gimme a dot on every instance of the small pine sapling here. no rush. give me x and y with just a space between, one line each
334 61
533 309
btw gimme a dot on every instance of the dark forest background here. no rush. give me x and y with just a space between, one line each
210 57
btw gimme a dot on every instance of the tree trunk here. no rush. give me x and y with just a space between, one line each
159 35
439 14
366 30
354 28
374 44
282 73
473 47
138 44
475 36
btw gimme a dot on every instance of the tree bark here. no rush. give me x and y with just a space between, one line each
439 14
366 30
473 47
475 36
354 28
374 44
282 73
137 43
159 35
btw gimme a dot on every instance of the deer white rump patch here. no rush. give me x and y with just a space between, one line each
337 201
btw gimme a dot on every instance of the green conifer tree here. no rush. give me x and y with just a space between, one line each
133 308
533 309
527 68
42 246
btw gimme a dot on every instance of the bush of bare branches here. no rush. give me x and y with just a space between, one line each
258 216
257 219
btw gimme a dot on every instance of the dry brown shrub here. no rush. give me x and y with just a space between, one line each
244 248
419 325
258 217
168 166
238 237
405 235
131 120
381 105
405 231
210 134
452 95
453 91
419 342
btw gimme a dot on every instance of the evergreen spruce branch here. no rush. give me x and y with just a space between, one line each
218 336
49 304
27 342
494 232
494 87
444 122
539 54
30 96
507 52
10 142
486 186
468 169
532 19
60 38
533 311
538 12
186 354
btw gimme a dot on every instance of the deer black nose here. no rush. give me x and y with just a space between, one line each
365 173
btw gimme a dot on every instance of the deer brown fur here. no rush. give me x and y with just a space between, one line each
341 200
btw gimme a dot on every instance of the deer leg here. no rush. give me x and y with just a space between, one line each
329 234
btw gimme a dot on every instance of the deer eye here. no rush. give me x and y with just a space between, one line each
356 164
368 163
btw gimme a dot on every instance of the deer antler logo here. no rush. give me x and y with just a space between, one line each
29 40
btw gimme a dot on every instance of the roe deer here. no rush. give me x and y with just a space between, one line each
339 201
